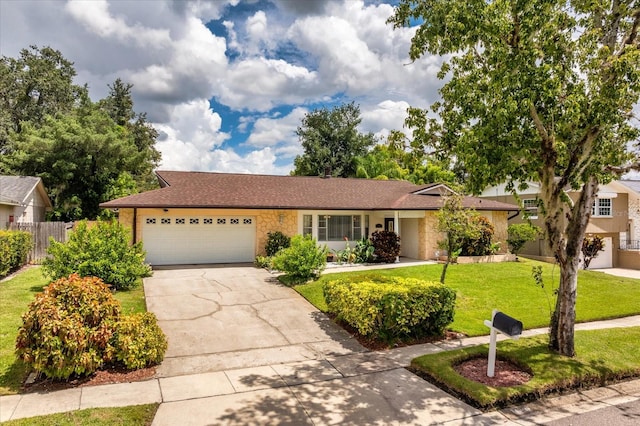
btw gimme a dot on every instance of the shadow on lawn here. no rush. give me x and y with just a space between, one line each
14 376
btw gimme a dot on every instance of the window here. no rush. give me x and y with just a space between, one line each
151 221
246 221
531 208
336 228
165 221
194 221
602 207
180 221
208 221
234 221
221 221
307 224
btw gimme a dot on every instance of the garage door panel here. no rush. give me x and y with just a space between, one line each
190 240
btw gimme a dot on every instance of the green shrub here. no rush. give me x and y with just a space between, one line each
386 246
482 244
75 326
138 340
519 234
68 328
14 249
100 251
301 261
276 241
393 309
264 262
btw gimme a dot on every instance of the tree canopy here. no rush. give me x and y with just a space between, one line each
535 91
85 152
330 139
36 84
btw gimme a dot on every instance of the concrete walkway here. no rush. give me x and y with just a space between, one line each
620 272
245 350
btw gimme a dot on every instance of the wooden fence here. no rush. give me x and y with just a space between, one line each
41 231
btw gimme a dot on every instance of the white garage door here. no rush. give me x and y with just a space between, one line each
182 240
604 259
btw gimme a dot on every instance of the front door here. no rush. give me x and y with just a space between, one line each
389 224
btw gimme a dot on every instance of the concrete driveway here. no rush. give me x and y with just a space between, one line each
236 316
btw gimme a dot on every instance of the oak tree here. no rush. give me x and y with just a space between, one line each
331 139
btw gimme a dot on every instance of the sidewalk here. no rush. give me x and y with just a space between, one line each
353 389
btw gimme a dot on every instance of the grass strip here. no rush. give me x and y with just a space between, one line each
603 356
136 415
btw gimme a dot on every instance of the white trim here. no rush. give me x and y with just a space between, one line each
434 190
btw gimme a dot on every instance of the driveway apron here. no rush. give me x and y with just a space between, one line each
235 316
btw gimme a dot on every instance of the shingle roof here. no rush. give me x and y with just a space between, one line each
15 189
633 184
225 190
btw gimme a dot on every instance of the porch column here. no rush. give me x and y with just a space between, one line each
396 226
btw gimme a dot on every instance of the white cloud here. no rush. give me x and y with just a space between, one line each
277 131
384 117
344 59
194 128
260 84
257 25
95 17
194 64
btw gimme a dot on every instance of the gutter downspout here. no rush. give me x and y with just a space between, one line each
396 226
516 214
135 225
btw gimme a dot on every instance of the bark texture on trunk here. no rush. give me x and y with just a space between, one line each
566 240
564 315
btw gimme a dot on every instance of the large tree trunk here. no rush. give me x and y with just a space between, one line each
566 241
564 316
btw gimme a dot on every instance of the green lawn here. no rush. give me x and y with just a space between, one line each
509 287
603 356
137 415
15 296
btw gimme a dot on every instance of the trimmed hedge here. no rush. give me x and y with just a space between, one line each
14 249
139 341
393 309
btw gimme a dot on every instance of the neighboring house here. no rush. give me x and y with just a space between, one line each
22 199
198 217
615 217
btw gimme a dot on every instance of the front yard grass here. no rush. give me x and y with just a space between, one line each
508 287
603 356
134 415
15 296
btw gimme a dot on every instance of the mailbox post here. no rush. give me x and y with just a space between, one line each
506 325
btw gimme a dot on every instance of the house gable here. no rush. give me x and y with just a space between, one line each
24 199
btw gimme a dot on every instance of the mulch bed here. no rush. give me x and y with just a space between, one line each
102 377
506 373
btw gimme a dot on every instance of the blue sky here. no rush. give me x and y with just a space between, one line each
226 83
